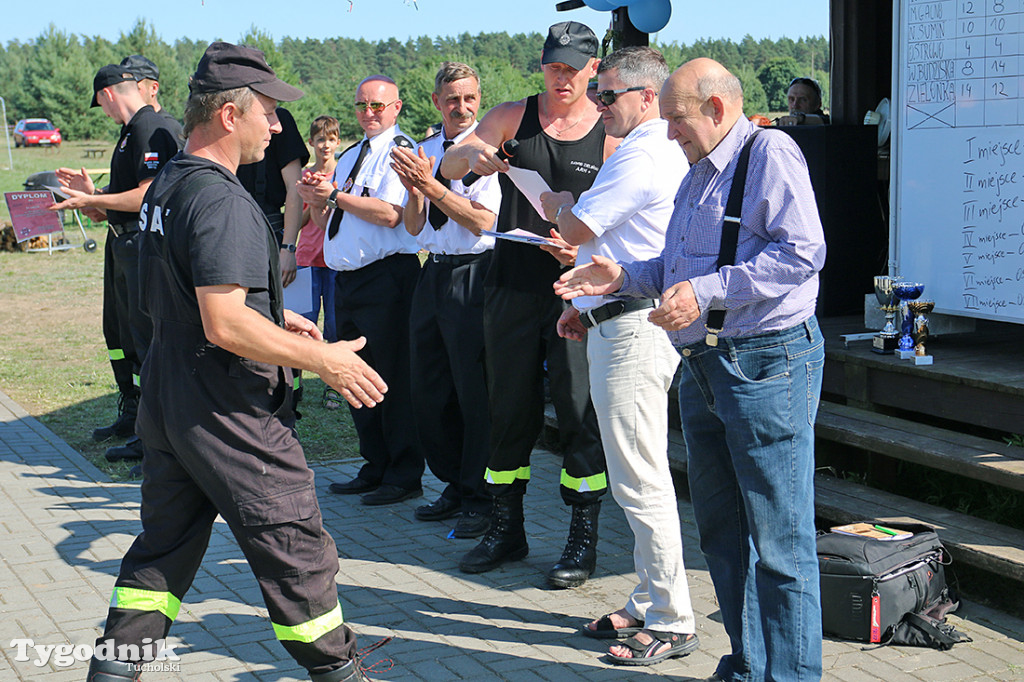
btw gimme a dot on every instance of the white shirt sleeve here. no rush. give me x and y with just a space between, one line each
622 188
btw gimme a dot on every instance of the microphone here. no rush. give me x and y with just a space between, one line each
505 152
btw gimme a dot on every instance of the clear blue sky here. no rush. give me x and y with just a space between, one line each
381 19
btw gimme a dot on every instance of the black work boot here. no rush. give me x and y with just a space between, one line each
579 558
113 671
124 425
505 541
132 450
350 672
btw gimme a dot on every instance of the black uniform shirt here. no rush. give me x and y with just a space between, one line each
204 236
284 147
148 141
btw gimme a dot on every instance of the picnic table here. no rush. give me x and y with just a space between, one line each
96 152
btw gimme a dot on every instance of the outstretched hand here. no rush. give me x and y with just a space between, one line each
349 375
600 277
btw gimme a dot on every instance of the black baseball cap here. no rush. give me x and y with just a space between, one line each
225 67
111 74
569 42
141 68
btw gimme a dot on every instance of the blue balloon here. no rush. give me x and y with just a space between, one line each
650 16
600 5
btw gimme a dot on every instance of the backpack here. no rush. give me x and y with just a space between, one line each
887 591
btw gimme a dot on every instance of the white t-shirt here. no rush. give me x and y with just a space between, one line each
358 242
453 239
629 205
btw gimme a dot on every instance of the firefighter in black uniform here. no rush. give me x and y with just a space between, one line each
148 140
215 414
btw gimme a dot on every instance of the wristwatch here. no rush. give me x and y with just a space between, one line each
289 247
332 200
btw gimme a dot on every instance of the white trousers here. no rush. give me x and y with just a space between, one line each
632 365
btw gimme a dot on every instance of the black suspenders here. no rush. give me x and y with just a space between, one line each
730 234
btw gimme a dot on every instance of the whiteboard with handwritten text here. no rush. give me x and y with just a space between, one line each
958 154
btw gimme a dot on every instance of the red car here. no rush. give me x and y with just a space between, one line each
36 131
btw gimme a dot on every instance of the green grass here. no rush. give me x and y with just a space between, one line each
53 361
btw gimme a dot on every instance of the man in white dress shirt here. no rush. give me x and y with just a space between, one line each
623 216
449 386
361 210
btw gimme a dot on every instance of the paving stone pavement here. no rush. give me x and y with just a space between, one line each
65 527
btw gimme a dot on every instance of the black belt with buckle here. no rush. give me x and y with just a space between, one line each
455 258
595 316
123 228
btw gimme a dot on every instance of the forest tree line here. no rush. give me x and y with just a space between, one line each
51 76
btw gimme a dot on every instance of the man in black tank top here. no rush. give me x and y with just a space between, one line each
560 136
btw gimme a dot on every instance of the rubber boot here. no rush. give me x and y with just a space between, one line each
504 541
113 671
579 558
350 672
124 425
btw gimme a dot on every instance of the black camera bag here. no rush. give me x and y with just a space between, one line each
868 585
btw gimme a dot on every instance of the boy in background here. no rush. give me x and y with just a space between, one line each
324 138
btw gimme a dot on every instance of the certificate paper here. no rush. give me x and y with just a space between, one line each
531 184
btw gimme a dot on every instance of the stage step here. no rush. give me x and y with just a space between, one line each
969 456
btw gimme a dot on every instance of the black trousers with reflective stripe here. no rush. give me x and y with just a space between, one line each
125 327
250 469
519 337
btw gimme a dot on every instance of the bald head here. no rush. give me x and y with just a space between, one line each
701 101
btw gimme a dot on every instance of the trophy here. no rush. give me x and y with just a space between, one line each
885 340
920 310
905 293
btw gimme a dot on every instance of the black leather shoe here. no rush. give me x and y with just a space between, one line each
132 450
113 671
440 509
472 524
354 487
350 672
389 494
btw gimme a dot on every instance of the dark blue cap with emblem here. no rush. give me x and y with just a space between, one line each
571 43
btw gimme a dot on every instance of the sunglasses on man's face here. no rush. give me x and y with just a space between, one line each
608 97
375 107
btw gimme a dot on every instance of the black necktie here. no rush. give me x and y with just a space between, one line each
338 213
435 215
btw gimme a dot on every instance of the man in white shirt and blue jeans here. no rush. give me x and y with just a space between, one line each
623 216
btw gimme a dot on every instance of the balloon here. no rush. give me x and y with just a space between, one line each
601 5
650 16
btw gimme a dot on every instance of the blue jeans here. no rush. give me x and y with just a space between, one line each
748 408
323 289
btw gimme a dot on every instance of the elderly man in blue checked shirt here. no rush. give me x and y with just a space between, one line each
750 392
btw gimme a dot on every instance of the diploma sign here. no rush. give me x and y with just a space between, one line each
30 214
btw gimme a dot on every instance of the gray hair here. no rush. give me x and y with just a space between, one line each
201 107
637 66
724 85
454 71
